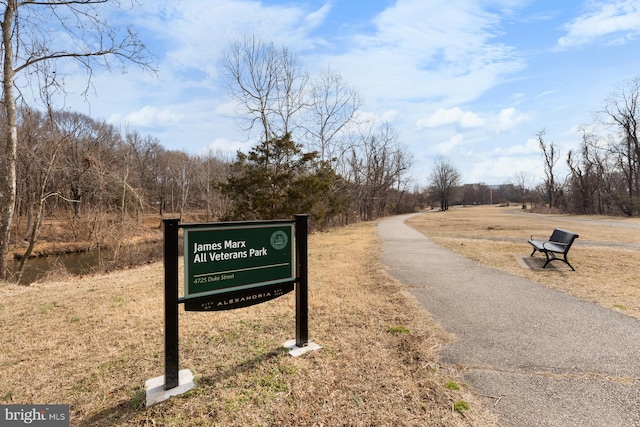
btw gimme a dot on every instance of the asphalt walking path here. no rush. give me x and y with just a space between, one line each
538 356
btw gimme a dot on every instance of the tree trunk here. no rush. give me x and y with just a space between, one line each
8 167
33 237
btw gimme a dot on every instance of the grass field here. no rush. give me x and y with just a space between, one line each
92 342
605 256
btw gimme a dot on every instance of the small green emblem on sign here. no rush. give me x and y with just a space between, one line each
279 240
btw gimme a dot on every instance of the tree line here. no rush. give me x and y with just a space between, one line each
603 172
314 153
91 175
600 176
84 170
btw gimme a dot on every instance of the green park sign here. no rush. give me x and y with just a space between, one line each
234 258
232 265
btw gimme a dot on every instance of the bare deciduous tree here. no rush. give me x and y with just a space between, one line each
551 157
585 165
332 106
211 169
377 171
267 82
29 43
444 179
523 184
623 113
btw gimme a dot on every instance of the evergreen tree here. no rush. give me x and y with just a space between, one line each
277 180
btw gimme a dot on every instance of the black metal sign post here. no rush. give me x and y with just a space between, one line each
171 379
302 286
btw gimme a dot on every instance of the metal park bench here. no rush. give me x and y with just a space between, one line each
559 243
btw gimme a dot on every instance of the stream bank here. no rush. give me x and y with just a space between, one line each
83 262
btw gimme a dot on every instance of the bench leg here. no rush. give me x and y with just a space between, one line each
553 258
567 261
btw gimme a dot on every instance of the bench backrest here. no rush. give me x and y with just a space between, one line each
563 237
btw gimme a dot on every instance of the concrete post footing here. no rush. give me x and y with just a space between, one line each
156 392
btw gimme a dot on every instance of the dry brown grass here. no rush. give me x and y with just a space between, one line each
607 268
92 343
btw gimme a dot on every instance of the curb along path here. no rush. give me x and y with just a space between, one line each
540 357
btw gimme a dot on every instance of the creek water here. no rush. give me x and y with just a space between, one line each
81 263
77 264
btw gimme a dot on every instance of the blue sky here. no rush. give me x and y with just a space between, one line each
472 81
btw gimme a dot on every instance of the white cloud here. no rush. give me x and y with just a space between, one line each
452 116
531 146
509 118
389 116
314 19
446 148
429 50
225 148
545 93
229 108
197 32
502 168
363 116
616 22
148 116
